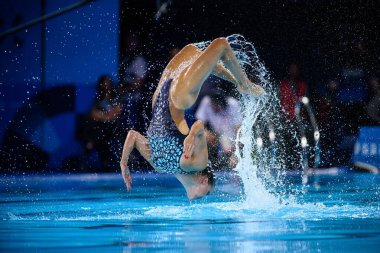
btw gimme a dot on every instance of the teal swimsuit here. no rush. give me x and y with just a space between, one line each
165 140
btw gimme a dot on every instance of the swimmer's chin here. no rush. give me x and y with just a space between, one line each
195 197
198 192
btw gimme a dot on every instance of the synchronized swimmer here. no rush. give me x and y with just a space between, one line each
171 146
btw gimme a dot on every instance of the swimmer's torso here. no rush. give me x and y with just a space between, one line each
172 126
165 140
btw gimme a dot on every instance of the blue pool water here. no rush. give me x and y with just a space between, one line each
83 213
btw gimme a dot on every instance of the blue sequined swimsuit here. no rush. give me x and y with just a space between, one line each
165 140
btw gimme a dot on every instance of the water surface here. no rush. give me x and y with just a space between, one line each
94 212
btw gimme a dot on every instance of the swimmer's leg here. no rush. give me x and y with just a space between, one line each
192 51
191 80
219 70
134 140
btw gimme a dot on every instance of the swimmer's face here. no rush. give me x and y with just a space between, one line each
202 189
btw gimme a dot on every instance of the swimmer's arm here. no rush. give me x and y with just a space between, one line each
197 130
134 140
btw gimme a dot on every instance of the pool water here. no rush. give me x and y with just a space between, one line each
82 213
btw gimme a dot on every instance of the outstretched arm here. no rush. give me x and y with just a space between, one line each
134 140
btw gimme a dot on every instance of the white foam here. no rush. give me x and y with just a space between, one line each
214 211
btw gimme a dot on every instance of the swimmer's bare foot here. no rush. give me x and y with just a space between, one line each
251 88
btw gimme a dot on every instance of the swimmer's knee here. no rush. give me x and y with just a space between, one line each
191 47
220 42
132 134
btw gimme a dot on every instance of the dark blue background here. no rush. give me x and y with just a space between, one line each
80 46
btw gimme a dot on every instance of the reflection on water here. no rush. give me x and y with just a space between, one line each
247 236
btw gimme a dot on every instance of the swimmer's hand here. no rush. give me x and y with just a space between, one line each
126 174
188 146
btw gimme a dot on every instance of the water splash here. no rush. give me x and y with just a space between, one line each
261 157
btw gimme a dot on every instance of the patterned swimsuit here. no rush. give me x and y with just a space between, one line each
165 140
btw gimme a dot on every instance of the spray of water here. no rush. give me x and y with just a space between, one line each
261 160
